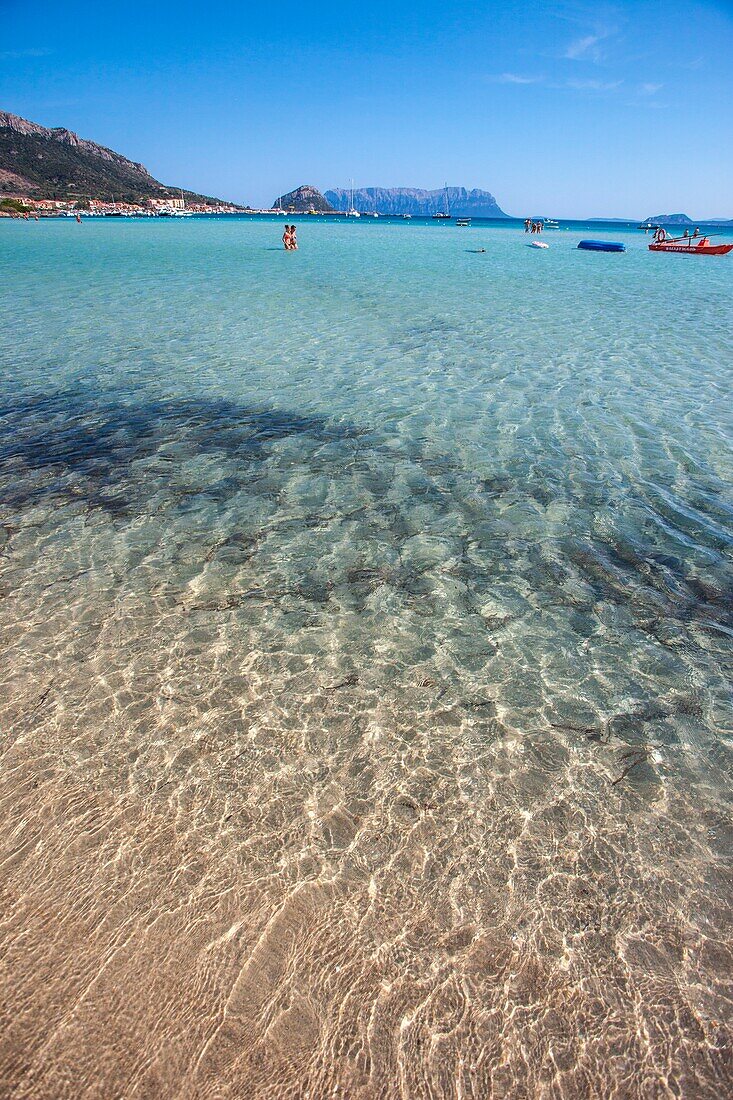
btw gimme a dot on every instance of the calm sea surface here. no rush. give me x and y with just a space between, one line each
366 647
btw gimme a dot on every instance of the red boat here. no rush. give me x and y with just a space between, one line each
693 246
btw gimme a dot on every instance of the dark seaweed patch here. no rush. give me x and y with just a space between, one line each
131 458
75 447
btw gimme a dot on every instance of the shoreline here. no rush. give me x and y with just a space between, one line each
566 224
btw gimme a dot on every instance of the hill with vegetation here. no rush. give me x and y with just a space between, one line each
670 219
682 219
39 163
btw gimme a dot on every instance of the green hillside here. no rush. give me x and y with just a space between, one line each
56 164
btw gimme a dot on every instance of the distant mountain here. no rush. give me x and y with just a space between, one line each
665 219
670 219
39 163
682 219
415 200
303 199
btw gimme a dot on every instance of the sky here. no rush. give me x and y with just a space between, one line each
569 109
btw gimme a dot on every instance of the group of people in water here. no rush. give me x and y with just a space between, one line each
289 239
533 227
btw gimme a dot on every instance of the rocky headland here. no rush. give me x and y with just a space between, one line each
41 163
302 200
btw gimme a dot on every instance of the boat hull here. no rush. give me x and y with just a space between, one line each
602 246
693 249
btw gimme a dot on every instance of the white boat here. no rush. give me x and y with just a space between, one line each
172 211
444 215
550 223
537 244
351 212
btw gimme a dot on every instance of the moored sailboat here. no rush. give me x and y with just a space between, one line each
445 215
351 212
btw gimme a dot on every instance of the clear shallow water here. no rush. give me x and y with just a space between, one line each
366 651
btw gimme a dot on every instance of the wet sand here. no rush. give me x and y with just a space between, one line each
232 874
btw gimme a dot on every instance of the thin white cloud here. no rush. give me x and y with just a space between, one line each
20 55
593 85
646 104
580 48
588 85
516 78
650 89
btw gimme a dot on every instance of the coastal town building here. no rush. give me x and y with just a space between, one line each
169 201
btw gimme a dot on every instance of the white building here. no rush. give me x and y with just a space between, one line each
177 204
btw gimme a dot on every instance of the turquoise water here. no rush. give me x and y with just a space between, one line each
367 648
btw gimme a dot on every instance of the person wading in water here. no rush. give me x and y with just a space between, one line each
289 239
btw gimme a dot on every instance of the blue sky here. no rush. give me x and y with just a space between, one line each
562 109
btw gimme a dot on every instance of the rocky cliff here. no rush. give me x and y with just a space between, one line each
303 199
414 200
38 162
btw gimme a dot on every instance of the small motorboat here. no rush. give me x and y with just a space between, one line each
463 222
602 246
692 246
537 244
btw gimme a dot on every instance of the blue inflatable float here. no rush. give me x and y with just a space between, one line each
602 246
